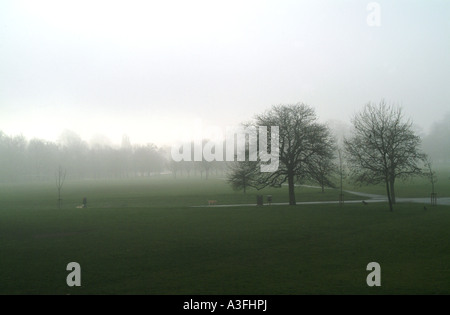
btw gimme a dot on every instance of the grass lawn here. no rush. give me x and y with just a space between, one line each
142 237
414 187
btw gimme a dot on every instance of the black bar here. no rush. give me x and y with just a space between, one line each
224 304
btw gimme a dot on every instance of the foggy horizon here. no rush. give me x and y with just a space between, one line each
148 70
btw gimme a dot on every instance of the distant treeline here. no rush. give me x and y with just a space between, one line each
437 142
38 160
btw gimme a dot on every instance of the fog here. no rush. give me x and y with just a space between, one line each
98 72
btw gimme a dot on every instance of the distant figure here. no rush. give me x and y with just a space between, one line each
269 199
84 202
424 208
364 203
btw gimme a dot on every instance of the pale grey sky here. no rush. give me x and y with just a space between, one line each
148 68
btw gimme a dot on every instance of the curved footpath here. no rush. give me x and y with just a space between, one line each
370 199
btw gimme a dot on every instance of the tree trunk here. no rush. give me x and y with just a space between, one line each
391 186
291 190
322 183
388 191
59 198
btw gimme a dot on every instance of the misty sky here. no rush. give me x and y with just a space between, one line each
149 68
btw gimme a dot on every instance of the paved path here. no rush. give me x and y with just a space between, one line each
370 199
373 197
286 203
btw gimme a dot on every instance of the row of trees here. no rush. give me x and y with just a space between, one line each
202 169
436 141
38 160
382 148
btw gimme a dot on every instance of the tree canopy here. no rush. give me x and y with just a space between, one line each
383 147
303 141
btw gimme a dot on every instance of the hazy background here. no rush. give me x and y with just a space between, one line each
148 68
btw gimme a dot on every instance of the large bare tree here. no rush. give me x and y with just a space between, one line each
303 141
383 147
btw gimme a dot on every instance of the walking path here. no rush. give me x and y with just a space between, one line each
371 198
440 201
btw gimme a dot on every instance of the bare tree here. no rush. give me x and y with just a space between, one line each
431 174
322 165
341 176
302 142
60 177
383 147
243 175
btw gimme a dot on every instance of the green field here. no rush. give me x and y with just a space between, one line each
413 187
142 236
